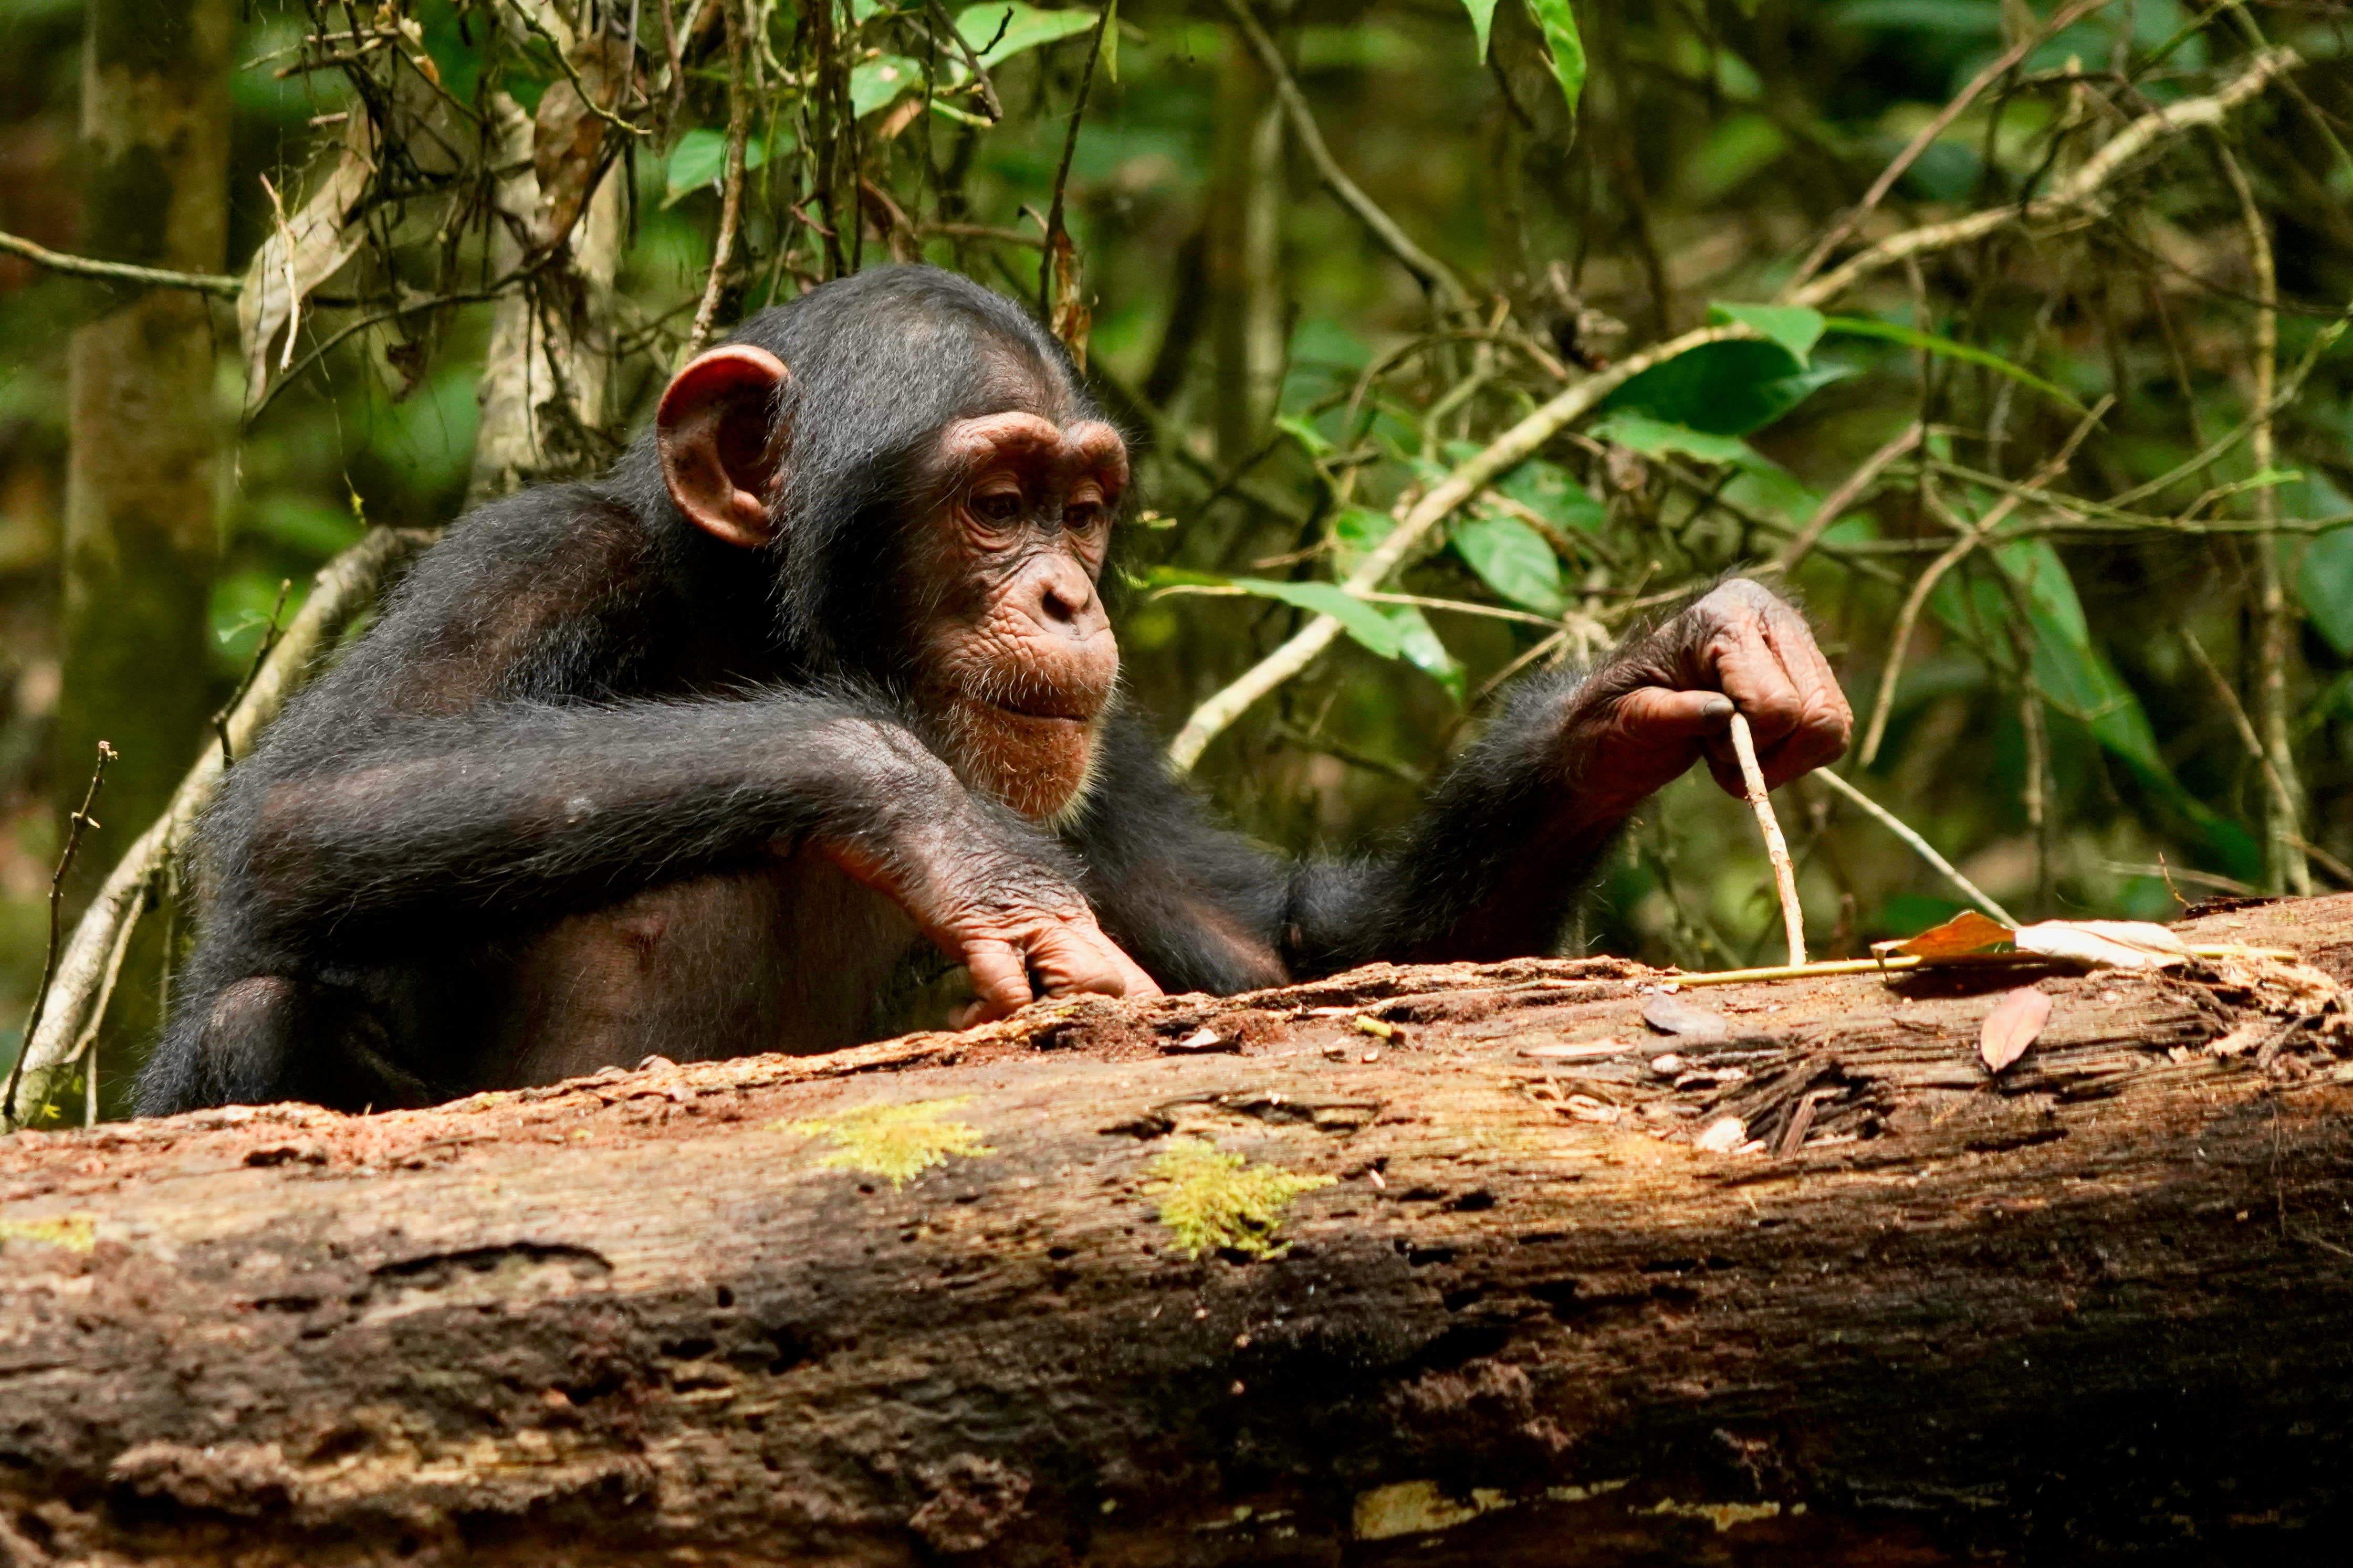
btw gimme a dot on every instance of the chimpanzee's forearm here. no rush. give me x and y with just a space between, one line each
1494 864
514 807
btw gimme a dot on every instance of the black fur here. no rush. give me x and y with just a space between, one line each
578 698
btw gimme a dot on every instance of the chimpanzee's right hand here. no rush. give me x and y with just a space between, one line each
1018 926
1018 949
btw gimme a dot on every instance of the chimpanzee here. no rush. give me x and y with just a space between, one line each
811 700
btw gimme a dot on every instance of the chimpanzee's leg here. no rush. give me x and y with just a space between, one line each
269 1038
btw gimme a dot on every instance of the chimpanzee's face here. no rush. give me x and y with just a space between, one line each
1014 654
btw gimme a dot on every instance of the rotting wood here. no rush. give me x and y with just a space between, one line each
729 1312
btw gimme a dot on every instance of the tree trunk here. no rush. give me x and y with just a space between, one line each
1425 1265
1248 332
142 475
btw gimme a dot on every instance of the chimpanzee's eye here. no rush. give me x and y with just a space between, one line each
1081 516
998 506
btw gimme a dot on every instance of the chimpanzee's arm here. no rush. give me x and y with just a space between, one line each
1508 840
519 808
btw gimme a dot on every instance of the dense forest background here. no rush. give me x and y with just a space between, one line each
2008 335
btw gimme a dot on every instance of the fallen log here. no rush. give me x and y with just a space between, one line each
1435 1264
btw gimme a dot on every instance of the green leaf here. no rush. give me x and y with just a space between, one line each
1738 147
700 161
876 83
946 111
1559 24
1421 648
1553 493
1795 327
1913 338
1015 27
2325 584
1483 18
1512 559
1301 429
1360 620
1723 389
2076 677
1357 532
1656 438
1111 39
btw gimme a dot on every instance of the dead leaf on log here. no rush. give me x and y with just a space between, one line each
1673 1016
2012 1026
1965 935
2103 944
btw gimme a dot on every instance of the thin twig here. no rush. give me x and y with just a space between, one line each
1434 274
1920 845
1839 500
990 103
219 285
571 73
1054 234
261 652
2288 870
77 825
731 205
2076 196
1777 848
2237 713
1926 136
1972 535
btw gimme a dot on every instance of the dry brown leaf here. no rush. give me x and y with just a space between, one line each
312 246
2012 1027
2103 944
1965 935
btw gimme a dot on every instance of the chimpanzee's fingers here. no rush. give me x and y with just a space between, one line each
1662 711
1071 957
1749 670
1137 981
1825 720
1001 977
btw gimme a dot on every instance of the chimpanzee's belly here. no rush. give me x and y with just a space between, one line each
794 956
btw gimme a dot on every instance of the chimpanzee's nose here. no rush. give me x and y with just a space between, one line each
1066 599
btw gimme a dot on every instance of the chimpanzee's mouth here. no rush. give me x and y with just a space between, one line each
1067 710
1073 707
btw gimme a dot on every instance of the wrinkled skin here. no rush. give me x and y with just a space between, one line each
1667 701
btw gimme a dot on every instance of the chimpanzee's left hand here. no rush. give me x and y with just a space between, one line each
1667 700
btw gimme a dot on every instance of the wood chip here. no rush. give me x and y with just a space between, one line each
1201 1042
2012 1027
1722 1136
1673 1016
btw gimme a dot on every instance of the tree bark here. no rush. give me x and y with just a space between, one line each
142 473
1477 1291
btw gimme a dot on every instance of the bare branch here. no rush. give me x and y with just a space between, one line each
220 285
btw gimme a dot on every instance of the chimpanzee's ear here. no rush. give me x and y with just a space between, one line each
721 442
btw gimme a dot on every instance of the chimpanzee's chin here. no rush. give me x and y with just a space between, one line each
1037 763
